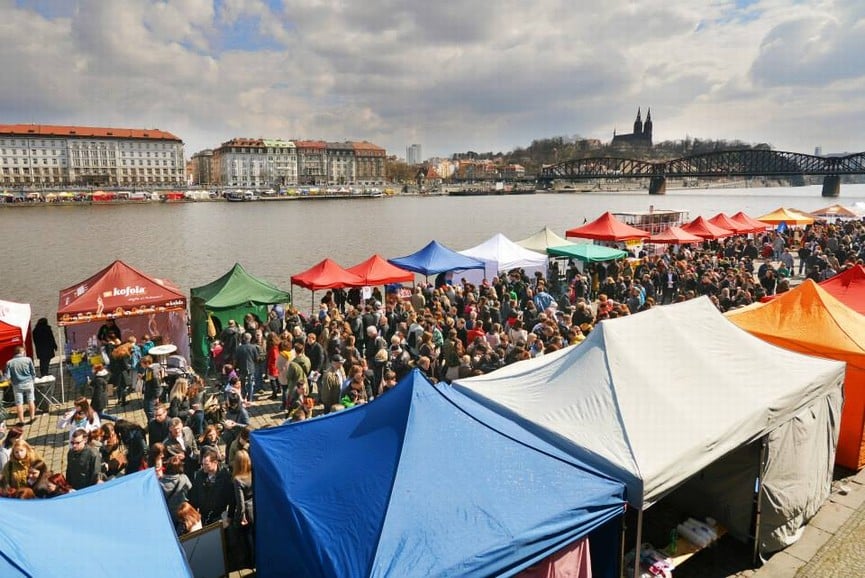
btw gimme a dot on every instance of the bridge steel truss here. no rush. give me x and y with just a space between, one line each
732 163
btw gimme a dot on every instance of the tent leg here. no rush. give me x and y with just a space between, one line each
639 541
62 352
758 501
622 538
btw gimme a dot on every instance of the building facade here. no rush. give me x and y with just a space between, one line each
340 163
311 162
57 156
641 137
202 169
413 155
370 164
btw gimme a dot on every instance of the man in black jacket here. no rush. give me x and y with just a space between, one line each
211 488
83 463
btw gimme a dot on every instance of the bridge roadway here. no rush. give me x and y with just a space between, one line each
719 164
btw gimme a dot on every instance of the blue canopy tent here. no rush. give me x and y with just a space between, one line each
118 528
435 258
412 484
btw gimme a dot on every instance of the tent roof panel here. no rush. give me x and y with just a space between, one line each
236 287
435 258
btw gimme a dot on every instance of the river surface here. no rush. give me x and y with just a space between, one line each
50 248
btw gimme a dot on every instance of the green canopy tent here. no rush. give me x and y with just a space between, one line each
231 296
587 252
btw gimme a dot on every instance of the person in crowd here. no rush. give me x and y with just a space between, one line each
188 519
241 442
112 452
236 417
241 516
83 464
210 440
331 382
21 372
44 344
133 438
16 469
261 346
272 362
175 483
157 455
180 441
230 339
157 428
211 491
99 394
178 399
315 353
246 358
151 377
81 416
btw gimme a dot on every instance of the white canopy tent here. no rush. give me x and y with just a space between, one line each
543 240
500 254
654 398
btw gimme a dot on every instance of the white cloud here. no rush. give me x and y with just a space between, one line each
453 75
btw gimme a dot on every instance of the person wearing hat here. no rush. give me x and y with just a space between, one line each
331 382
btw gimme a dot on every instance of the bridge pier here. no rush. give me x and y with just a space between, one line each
831 185
658 186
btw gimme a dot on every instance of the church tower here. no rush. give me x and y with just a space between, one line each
647 128
638 124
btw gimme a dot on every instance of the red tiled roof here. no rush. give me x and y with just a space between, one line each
366 146
84 131
310 144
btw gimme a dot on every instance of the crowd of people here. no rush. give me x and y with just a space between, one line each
354 350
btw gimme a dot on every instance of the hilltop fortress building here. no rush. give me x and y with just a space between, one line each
641 137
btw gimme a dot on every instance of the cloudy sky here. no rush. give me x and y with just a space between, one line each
452 75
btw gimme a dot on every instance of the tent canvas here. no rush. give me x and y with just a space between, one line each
588 252
377 271
499 255
835 211
435 258
137 499
10 338
18 315
543 240
848 287
326 274
809 320
790 216
607 228
654 398
137 302
706 230
231 296
442 492
755 225
674 235
725 222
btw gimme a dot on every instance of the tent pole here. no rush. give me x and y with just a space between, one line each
624 529
62 350
758 503
639 539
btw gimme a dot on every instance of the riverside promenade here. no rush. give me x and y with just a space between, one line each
832 544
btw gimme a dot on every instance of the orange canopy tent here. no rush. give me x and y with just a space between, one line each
755 225
377 271
790 216
809 320
706 230
675 236
725 222
834 212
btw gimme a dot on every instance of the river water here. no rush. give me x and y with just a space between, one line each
50 248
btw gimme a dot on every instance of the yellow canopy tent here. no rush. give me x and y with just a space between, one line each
790 216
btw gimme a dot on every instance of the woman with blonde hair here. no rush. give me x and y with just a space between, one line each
241 516
16 469
178 399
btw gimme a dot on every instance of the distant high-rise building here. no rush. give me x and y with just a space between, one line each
818 151
413 155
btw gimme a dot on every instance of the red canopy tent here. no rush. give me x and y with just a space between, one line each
327 274
725 222
675 236
754 223
848 287
607 228
706 230
138 303
10 338
377 271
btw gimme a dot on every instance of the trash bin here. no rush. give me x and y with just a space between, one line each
45 393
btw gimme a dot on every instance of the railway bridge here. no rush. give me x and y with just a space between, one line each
721 164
